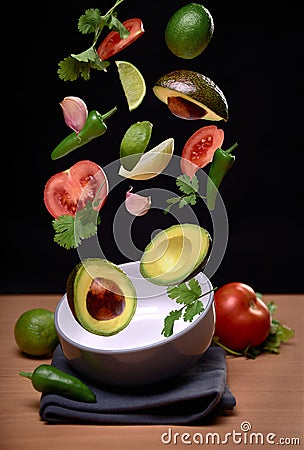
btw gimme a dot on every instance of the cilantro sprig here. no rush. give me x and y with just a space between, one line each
189 192
92 22
70 231
187 294
278 334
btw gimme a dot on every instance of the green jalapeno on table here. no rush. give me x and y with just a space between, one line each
49 379
222 161
93 128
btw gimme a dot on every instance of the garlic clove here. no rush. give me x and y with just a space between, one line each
136 204
75 112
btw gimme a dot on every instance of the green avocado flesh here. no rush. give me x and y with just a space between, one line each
101 296
193 87
176 254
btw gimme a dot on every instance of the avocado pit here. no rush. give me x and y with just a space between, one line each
185 109
105 300
101 296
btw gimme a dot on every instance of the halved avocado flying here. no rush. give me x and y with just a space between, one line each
176 254
101 296
190 95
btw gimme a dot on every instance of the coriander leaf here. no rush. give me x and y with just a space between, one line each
89 55
114 24
189 189
187 200
88 22
169 322
64 232
182 293
91 22
189 296
192 310
184 184
70 69
195 287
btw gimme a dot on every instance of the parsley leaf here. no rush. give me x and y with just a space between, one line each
80 65
189 192
187 294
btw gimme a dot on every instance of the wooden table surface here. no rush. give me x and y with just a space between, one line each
269 392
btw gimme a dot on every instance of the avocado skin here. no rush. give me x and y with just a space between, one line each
196 86
72 297
203 264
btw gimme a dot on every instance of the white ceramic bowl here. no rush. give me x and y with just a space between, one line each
139 354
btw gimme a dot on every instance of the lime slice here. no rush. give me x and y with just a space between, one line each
151 163
132 82
134 143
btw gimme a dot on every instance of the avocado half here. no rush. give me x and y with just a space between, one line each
191 95
176 254
101 296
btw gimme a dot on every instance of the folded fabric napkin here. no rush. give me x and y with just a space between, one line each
195 396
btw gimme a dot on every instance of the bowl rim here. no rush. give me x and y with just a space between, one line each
157 344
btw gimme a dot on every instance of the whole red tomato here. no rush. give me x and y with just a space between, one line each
242 318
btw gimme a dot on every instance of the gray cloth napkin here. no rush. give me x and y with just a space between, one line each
195 396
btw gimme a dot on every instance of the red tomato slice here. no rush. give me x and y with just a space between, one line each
69 191
113 43
199 149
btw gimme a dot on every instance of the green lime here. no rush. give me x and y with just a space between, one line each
189 31
134 143
35 332
133 83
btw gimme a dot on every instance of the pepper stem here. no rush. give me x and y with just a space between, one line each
109 113
230 149
26 374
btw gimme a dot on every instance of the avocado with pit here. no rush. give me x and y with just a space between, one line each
191 95
101 296
176 254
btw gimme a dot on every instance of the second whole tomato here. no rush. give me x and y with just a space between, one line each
242 319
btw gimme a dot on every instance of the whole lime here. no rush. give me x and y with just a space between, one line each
35 332
189 31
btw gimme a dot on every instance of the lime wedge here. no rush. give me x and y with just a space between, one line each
151 163
132 82
134 143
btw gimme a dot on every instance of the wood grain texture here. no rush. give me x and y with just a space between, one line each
269 393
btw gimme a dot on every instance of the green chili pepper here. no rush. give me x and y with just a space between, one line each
93 128
50 380
222 161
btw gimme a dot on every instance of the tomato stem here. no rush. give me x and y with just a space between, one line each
217 342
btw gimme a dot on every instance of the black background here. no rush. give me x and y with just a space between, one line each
255 57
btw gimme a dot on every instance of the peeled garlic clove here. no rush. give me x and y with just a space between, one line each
75 112
136 204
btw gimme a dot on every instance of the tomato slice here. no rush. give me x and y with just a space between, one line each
113 43
199 149
69 191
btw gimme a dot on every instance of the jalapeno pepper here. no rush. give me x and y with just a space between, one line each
51 380
222 161
93 128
